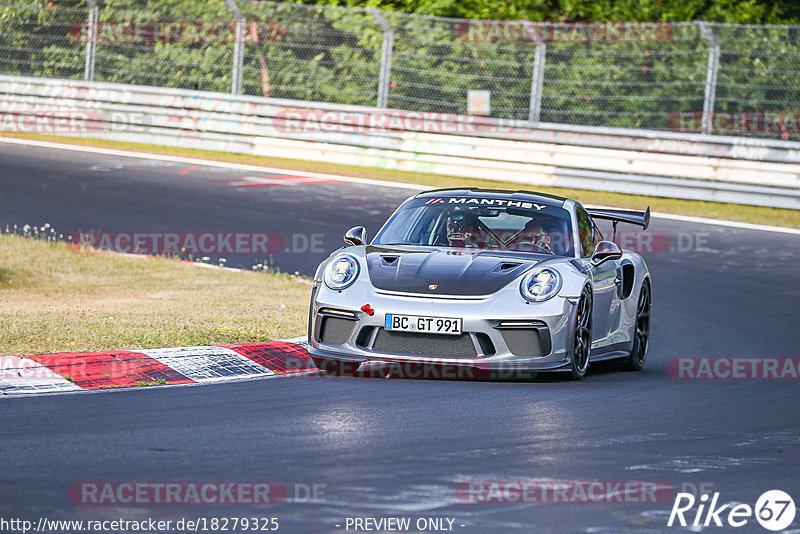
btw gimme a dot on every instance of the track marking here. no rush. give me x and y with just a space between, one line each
281 358
114 368
272 181
204 364
189 169
732 224
70 372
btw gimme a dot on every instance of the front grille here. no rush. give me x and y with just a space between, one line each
460 346
522 341
335 330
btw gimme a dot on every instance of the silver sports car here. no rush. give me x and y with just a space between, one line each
484 279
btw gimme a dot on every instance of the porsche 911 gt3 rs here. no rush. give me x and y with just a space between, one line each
510 280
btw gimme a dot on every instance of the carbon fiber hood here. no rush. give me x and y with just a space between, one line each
453 271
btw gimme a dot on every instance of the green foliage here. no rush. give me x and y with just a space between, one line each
730 11
188 61
35 40
311 53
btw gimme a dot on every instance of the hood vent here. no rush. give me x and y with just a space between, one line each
506 266
460 273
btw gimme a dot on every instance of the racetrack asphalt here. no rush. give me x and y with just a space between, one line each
380 448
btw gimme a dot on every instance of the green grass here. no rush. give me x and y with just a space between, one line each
159 382
6 276
714 210
53 299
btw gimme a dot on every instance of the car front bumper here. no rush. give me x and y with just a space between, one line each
501 331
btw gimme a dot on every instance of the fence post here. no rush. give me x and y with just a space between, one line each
537 78
238 47
386 56
711 76
91 41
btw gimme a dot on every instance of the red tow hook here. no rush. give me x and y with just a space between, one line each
366 308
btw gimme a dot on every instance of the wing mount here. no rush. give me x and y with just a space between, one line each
616 216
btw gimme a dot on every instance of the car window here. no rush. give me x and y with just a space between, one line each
597 236
503 221
586 232
484 223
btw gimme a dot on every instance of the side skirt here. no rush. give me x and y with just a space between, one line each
611 352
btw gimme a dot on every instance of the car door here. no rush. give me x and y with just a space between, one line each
605 304
605 309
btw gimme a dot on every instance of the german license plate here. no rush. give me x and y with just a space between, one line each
422 325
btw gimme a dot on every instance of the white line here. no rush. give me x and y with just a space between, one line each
218 267
241 166
718 222
207 163
733 224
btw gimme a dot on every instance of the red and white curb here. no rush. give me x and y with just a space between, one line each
76 371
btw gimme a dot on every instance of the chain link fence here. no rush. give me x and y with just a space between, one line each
299 52
686 77
36 40
167 44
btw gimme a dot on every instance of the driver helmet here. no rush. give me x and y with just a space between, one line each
536 234
462 228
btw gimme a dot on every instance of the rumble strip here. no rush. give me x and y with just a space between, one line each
75 371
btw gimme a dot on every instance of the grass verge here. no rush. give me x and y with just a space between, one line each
714 210
54 300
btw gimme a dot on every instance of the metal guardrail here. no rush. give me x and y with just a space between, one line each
702 167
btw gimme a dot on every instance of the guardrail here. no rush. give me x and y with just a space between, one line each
701 167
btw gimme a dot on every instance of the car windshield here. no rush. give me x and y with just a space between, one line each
483 223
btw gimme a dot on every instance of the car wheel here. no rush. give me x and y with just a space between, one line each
641 334
582 341
336 367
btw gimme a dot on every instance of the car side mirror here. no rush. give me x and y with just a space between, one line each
356 236
606 250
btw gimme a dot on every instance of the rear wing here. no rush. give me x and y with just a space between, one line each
639 218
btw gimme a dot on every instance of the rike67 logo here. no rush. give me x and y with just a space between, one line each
774 510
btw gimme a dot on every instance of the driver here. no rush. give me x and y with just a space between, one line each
535 234
462 229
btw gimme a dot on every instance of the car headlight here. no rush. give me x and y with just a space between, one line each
541 285
341 272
